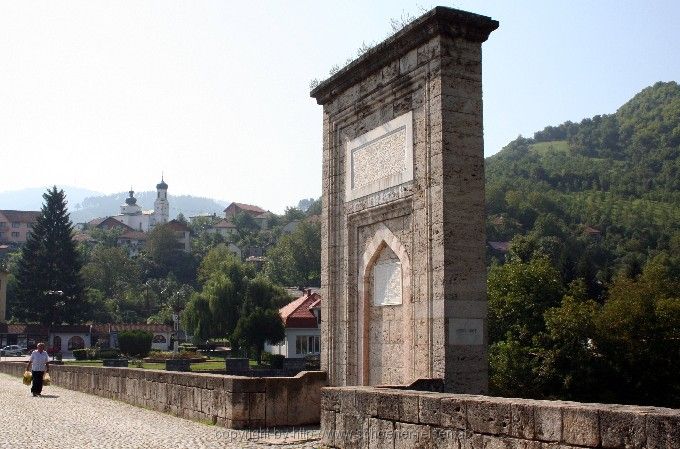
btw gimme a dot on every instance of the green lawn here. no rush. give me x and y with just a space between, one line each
212 364
83 362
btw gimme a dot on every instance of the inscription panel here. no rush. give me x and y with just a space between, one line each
380 159
387 289
466 331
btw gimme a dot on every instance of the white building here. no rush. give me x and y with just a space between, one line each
302 319
133 215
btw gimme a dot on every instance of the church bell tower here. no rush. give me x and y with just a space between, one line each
161 205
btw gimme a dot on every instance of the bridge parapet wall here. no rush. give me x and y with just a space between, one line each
368 417
231 401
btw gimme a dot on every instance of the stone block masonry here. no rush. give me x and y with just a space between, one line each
367 417
231 401
403 272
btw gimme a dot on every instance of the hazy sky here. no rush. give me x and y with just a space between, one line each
106 95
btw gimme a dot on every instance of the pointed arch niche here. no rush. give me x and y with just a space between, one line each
385 312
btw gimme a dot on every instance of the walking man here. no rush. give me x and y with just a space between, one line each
38 365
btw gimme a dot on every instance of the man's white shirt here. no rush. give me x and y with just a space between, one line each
39 360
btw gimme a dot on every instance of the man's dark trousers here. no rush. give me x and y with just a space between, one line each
36 387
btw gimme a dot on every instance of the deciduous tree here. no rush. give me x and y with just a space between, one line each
295 260
258 327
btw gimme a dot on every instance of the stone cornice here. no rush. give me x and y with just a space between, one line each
439 21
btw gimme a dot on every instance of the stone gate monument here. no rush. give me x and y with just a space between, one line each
403 242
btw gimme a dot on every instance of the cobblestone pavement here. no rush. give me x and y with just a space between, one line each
72 420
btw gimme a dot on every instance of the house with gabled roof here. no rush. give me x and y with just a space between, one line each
302 321
236 208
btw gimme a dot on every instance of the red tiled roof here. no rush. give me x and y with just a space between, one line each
106 328
177 226
110 223
33 329
21 216
70 329
246 207
297 314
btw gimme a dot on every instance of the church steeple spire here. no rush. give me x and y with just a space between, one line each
162 185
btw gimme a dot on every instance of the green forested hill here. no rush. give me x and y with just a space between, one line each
584 303
618 174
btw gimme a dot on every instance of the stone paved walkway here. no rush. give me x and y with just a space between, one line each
72 420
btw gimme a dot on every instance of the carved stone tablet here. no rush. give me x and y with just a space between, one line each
380 159
466 331
387 283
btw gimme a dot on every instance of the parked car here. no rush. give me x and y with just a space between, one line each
12 350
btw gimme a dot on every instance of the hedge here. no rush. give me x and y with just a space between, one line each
135 343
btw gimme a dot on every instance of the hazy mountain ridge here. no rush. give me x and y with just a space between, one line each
105 205
31 198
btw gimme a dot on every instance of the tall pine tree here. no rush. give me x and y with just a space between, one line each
50 289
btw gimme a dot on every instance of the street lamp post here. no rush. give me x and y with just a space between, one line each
175 329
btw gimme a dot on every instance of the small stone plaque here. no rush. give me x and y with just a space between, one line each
380 159
466 331
387 283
